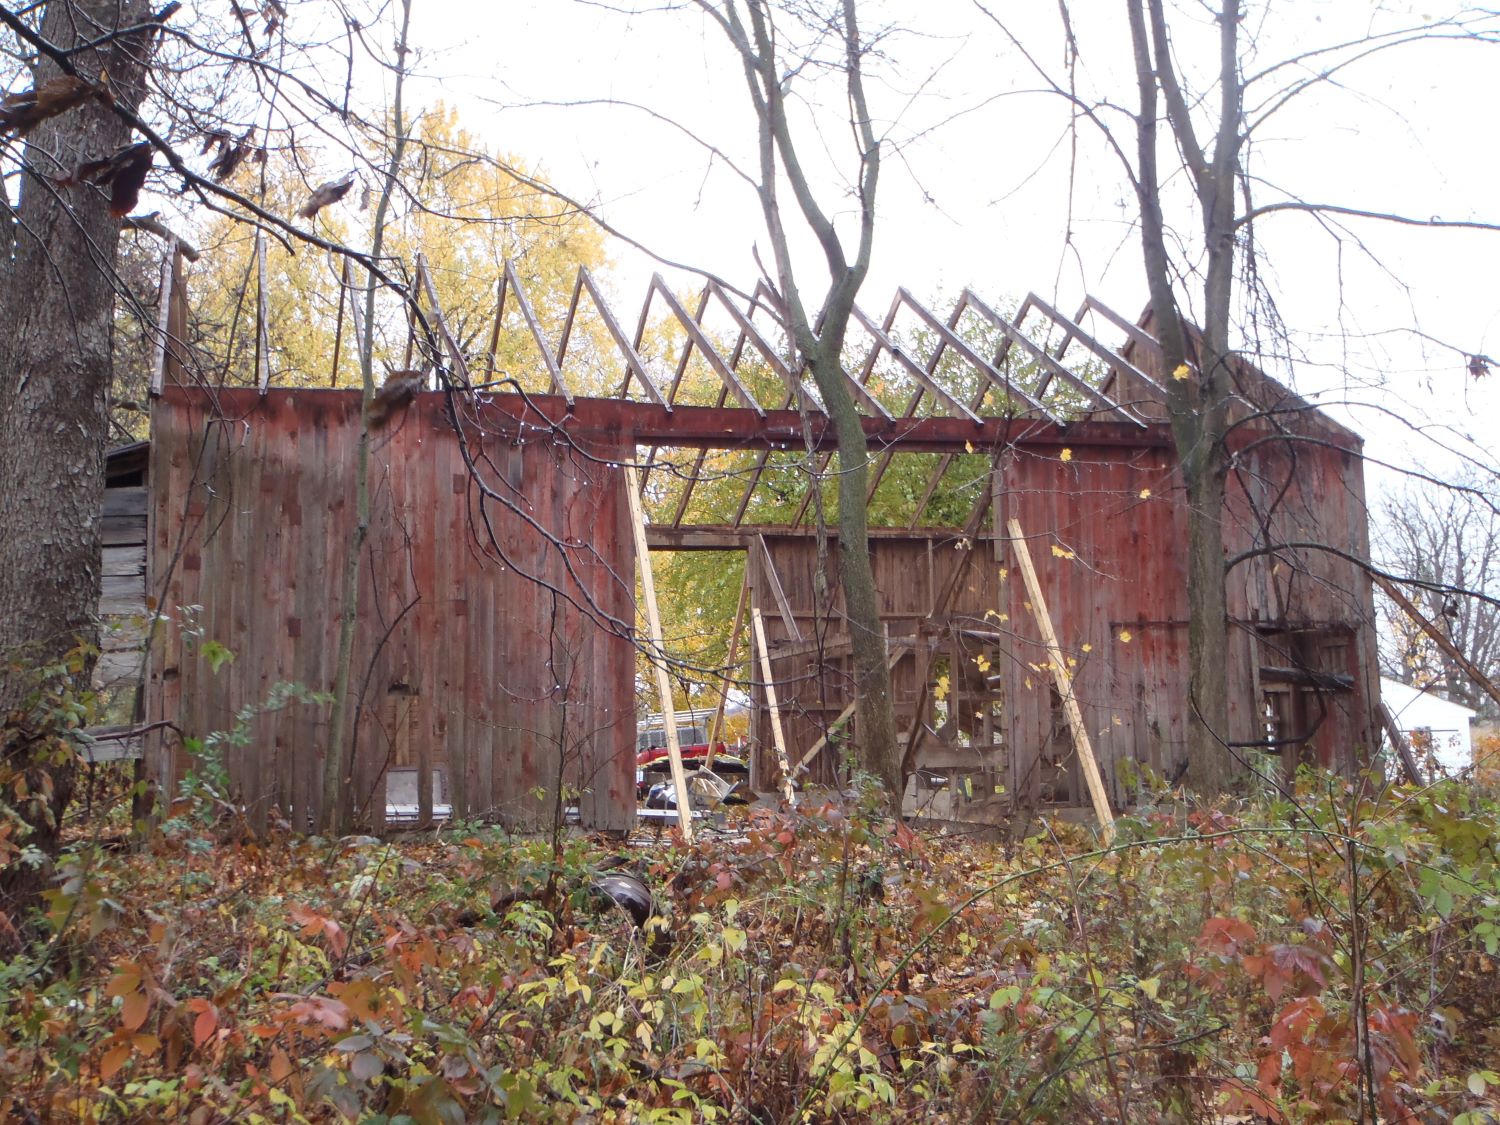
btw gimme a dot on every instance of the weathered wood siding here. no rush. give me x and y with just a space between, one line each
814 676
1108 530
122 597
1116 593
496 597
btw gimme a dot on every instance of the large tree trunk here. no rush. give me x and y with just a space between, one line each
875 720
1198 400
1199 414
1210 765
57 288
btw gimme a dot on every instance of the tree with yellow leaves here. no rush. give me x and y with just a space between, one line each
465 210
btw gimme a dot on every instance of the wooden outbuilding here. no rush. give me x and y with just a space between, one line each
494 667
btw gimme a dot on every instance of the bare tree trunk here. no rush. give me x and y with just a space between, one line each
754 37
57 291
1198 399
874 715
338 756
1210 766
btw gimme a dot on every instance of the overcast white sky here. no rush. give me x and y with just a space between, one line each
983 190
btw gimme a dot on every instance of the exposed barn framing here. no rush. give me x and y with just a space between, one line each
494 658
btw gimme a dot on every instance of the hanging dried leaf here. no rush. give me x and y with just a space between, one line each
244 21
24 111
231 155
326 194
123 172
224 164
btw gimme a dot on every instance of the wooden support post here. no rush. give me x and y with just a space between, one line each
1064 681
729 655
656 653
1439 638
776 736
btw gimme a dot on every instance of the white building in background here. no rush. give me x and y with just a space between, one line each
1428 720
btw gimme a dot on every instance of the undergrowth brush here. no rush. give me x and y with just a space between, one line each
1324 954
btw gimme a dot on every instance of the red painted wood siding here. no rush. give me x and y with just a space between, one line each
496 599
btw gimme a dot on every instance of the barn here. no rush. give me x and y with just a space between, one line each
494 671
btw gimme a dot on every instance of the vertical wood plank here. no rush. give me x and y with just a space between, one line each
1064 684
782 759
658 653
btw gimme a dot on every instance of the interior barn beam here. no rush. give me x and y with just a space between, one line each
728 537
1306 677
732 427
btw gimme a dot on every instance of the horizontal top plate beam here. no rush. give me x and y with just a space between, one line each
733 427
709 427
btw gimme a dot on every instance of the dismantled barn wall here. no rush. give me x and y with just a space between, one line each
1301 605
492 652
494 649
1106 526
1300 629
812 666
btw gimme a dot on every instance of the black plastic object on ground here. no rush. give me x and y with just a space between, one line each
628 893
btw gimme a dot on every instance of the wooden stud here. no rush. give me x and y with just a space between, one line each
1064 682
616 332
494 343
163 313
782 605
1072 331
974 359
657 652
450 345
357 315
179 355
1052 367
1138 334
922 375
705 345
672 389
730 653
530 317
262 330
777 737
1401 744
933 361
345 294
